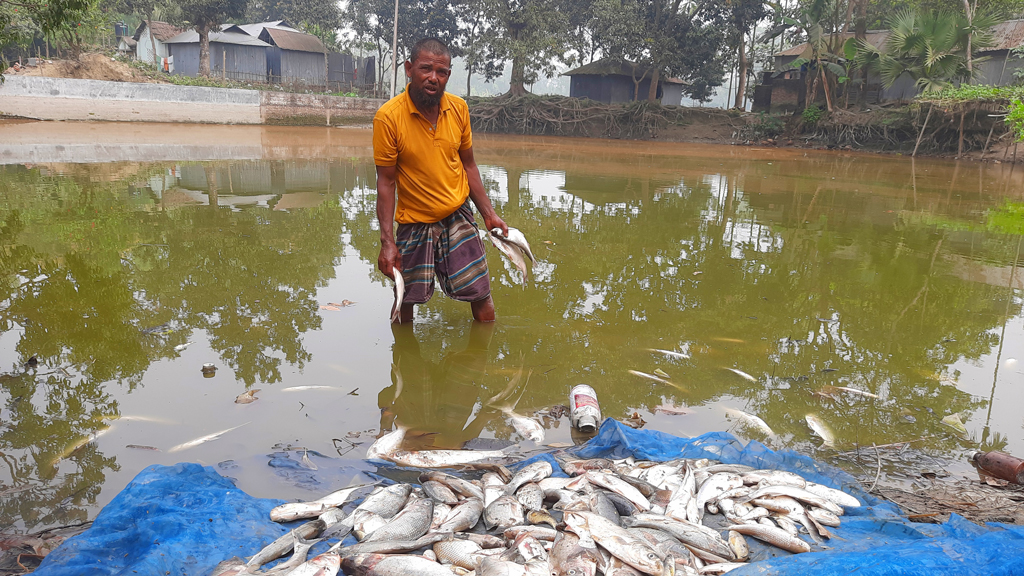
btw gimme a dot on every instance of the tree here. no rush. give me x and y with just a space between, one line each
743 15
20 20
529 33
203 16
475 32
931 47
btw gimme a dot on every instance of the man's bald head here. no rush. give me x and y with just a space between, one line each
429 46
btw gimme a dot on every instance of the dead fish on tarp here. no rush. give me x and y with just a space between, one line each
203 439
396 310
299 510
750 420
247 397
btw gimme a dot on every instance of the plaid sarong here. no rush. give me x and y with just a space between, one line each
451 250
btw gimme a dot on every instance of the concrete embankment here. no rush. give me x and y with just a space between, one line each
45 98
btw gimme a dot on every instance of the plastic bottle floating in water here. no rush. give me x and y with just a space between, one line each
584 411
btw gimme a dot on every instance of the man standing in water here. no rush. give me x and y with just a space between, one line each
426 174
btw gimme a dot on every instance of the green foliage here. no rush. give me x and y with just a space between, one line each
23 20
811 115
930 46
766 126
1015 119
974 93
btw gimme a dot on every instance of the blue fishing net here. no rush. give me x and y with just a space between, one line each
184 519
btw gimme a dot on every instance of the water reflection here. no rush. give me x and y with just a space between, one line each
805 273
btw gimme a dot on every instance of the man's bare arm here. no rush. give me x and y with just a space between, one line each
389 257
478 194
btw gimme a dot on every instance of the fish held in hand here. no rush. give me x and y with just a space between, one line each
396 310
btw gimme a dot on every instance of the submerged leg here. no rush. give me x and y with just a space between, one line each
483 310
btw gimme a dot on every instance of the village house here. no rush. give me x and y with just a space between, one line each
608 81
234 55
141 44
784 88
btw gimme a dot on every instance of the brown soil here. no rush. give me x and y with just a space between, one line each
90 66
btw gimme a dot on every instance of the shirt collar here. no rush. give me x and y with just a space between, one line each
445 103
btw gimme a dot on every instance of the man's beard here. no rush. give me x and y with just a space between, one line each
424 100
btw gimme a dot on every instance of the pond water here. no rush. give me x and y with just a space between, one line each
129 257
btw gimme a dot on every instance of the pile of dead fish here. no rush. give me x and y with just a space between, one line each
614 517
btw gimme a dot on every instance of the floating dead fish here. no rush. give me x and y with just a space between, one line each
750 420
742 374
657 379
819 427
203 439
247 397
342 304
181 347
141 447
396 310
304 388
672 409
306 462
834 391
671 354
662 373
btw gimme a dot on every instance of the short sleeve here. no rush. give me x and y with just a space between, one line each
385 140
467 131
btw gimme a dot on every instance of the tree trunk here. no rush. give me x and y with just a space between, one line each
518 85
204 49
860 27
652 93
469 78
741 80
970 22
152 40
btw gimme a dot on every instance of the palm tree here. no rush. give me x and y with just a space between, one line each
929 46
823 47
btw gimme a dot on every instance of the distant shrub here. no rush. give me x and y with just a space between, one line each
811 115
766 126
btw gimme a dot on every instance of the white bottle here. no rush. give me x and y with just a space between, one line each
584 411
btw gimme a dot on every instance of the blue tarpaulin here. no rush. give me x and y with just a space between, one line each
184 519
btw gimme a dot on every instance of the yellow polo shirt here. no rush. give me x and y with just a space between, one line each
431 180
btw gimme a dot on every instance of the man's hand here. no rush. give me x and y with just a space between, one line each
492 221
389 259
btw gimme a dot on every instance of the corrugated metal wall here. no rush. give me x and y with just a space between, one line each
302 66
243 62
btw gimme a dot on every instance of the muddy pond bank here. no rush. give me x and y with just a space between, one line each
135 253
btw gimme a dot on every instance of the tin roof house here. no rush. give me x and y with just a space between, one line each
233 54
294 56
608 81
784 89
142 44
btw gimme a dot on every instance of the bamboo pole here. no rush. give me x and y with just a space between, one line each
921 134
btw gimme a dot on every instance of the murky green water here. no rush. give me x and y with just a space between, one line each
802 270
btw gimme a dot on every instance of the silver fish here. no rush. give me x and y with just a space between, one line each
504 512
538 532
836 496
823 517
515 254
797 494
464 553
386 500
620 543
463 487
383 565
495 567
516 237
568 558
819 427
671 354
526 427
299 510
388 546
774 478
445 458
203 439
326 564
774 536
286 542
530 473
304 388
387 444
720 567
463 516
297 558
742 374
750 420
619 486
365 522
654 378
530 496
441 511
230 567
409 524
439 492
696 535
396 310
714 486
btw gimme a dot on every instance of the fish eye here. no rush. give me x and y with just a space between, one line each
652 556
